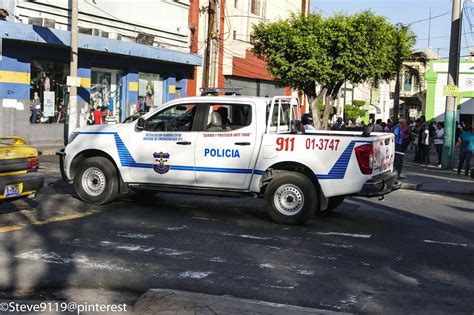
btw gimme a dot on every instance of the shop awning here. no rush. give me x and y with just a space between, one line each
51 36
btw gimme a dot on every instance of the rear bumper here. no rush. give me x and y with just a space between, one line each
32 183
62 155
380 185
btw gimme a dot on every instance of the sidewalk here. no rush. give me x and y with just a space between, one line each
434 179
164 301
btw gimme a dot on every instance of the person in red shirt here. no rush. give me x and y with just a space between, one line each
97 116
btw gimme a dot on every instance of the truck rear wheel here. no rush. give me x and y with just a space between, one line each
291 198
96 181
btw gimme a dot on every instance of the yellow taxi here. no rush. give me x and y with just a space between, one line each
19 165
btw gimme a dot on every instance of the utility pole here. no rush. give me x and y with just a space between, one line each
453 79
303 7
211 10
73 110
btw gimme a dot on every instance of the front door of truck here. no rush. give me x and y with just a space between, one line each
164 151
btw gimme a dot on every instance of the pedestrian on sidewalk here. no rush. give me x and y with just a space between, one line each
378 126
416 134
438 141
399 152
466 143
425 144
406 134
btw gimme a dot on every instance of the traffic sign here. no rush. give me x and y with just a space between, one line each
450 90
73 81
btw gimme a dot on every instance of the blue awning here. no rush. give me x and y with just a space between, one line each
51 36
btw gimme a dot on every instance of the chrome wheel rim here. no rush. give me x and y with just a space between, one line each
289 199
93 181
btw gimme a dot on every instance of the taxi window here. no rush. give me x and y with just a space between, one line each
228 117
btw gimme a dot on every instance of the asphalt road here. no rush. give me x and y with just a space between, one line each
411 253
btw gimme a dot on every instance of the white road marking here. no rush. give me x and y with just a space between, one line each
195 274
80 261
336 245
306 272
268 266
206 219
345 234
133 235
218 259
445 243
176 228
253 237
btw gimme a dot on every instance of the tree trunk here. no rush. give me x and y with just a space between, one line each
314 107
396 96
327 110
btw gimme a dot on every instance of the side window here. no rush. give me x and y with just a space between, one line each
175 118
228 117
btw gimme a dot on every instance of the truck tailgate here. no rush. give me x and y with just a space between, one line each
384 153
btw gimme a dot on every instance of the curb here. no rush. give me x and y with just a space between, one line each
410 186
164 301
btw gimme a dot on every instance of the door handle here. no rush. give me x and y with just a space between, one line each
183 143
242 143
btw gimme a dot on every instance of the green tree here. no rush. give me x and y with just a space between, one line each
309 51
405 61
354 111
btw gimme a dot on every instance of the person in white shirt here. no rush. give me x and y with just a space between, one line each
307 121
438 141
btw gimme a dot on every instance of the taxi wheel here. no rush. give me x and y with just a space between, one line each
96 181
291 198
335 202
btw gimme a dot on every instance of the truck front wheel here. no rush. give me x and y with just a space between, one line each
96 181
291 198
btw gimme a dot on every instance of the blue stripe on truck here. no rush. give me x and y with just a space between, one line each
338 170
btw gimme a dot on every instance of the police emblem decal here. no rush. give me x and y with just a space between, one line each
160 163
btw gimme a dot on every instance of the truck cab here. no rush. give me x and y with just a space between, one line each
230 145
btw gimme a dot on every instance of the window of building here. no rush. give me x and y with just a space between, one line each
48 85
150 91
234 35
255 7
106 93
228 117
236 3
408 82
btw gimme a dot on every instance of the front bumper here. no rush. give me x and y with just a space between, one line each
380 185
31 183
61 155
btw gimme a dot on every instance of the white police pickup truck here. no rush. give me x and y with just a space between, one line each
231 145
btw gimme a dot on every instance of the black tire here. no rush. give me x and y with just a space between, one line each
100 172
295 186
335 202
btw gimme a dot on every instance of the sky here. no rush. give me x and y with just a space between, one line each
409 11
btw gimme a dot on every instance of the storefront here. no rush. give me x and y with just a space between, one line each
118 78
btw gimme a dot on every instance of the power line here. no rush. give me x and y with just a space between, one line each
430 18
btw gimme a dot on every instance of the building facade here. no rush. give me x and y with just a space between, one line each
436 78
131 58
231 63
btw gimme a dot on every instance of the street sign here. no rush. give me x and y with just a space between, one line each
413 112
450 90
73 81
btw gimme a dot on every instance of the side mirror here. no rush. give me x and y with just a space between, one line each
141 123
